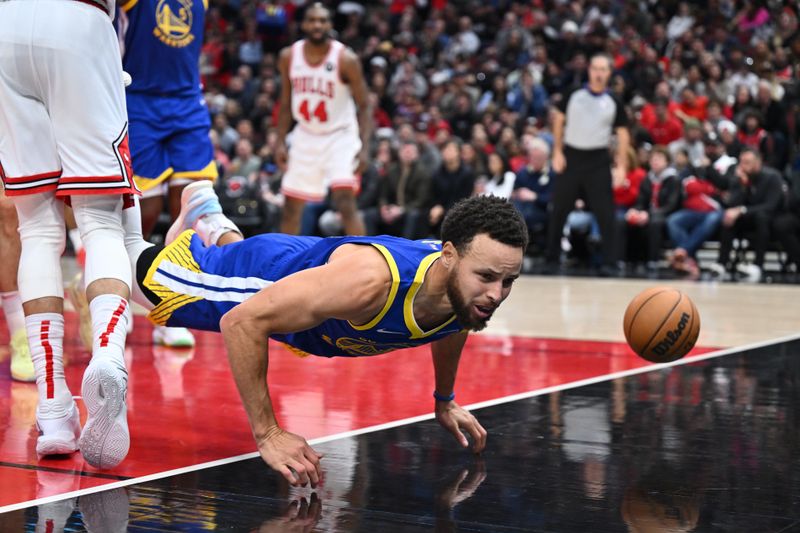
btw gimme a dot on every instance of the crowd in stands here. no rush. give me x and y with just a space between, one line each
463 93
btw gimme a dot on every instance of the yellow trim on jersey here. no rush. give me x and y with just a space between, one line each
408 304
148 183
178 253
205 4
297 352
127 6
392 292
209 171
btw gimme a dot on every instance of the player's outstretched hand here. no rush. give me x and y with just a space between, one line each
458 421
291 456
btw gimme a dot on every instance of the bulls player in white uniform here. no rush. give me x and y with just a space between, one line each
63 137
323 89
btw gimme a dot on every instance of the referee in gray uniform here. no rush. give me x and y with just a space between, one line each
584 122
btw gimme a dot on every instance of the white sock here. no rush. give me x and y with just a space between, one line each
12 307
46 339
212 227
110 316
75 239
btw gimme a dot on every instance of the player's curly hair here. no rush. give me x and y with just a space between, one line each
494 216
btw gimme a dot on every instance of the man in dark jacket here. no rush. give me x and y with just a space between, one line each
454 181
755 195
404 194
659 196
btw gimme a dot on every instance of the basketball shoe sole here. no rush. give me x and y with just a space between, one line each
105 439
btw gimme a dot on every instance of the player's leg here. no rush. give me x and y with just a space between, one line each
566 189
200 210
167 300
291 214
30 171
152 204
21 363
339 160
304 179
41 228
344 201
86 103
151 166
191 156
187 145
105 438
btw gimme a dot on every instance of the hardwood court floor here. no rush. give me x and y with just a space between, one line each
732 314
551 334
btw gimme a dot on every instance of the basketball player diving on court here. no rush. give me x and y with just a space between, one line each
336 296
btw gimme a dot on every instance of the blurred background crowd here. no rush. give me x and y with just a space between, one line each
464 92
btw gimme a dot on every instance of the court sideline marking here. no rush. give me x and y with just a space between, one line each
403 422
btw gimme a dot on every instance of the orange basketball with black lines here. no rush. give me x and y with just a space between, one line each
661 324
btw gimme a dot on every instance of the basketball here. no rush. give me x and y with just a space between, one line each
661 324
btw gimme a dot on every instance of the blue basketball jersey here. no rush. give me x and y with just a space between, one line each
162 41
198 284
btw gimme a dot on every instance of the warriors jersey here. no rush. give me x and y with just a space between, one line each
195 285
321 101
161 45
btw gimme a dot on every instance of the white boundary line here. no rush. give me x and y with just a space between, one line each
403 422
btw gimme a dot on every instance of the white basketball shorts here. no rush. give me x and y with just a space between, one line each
318 162
63 122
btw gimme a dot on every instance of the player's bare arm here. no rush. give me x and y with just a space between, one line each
353 75
296 303
446 354
285 106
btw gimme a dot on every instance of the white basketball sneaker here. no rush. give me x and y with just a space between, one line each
198 199
59 427
105 439
21 363
751 273
172 337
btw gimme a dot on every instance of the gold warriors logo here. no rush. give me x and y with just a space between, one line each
174 22
362 346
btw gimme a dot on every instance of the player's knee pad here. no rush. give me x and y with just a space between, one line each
99 219
42 233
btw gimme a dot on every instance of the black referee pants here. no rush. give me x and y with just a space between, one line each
587 176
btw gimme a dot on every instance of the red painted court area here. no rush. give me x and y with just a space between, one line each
183 407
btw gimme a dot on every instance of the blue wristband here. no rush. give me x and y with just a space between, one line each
441 398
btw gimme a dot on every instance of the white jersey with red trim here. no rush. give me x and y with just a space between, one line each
321 102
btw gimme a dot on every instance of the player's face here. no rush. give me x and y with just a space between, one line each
317 26
481 279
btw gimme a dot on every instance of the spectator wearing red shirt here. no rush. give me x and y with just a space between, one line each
692 106
666 127
662 92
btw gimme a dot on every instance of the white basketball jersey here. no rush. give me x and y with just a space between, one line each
321 103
